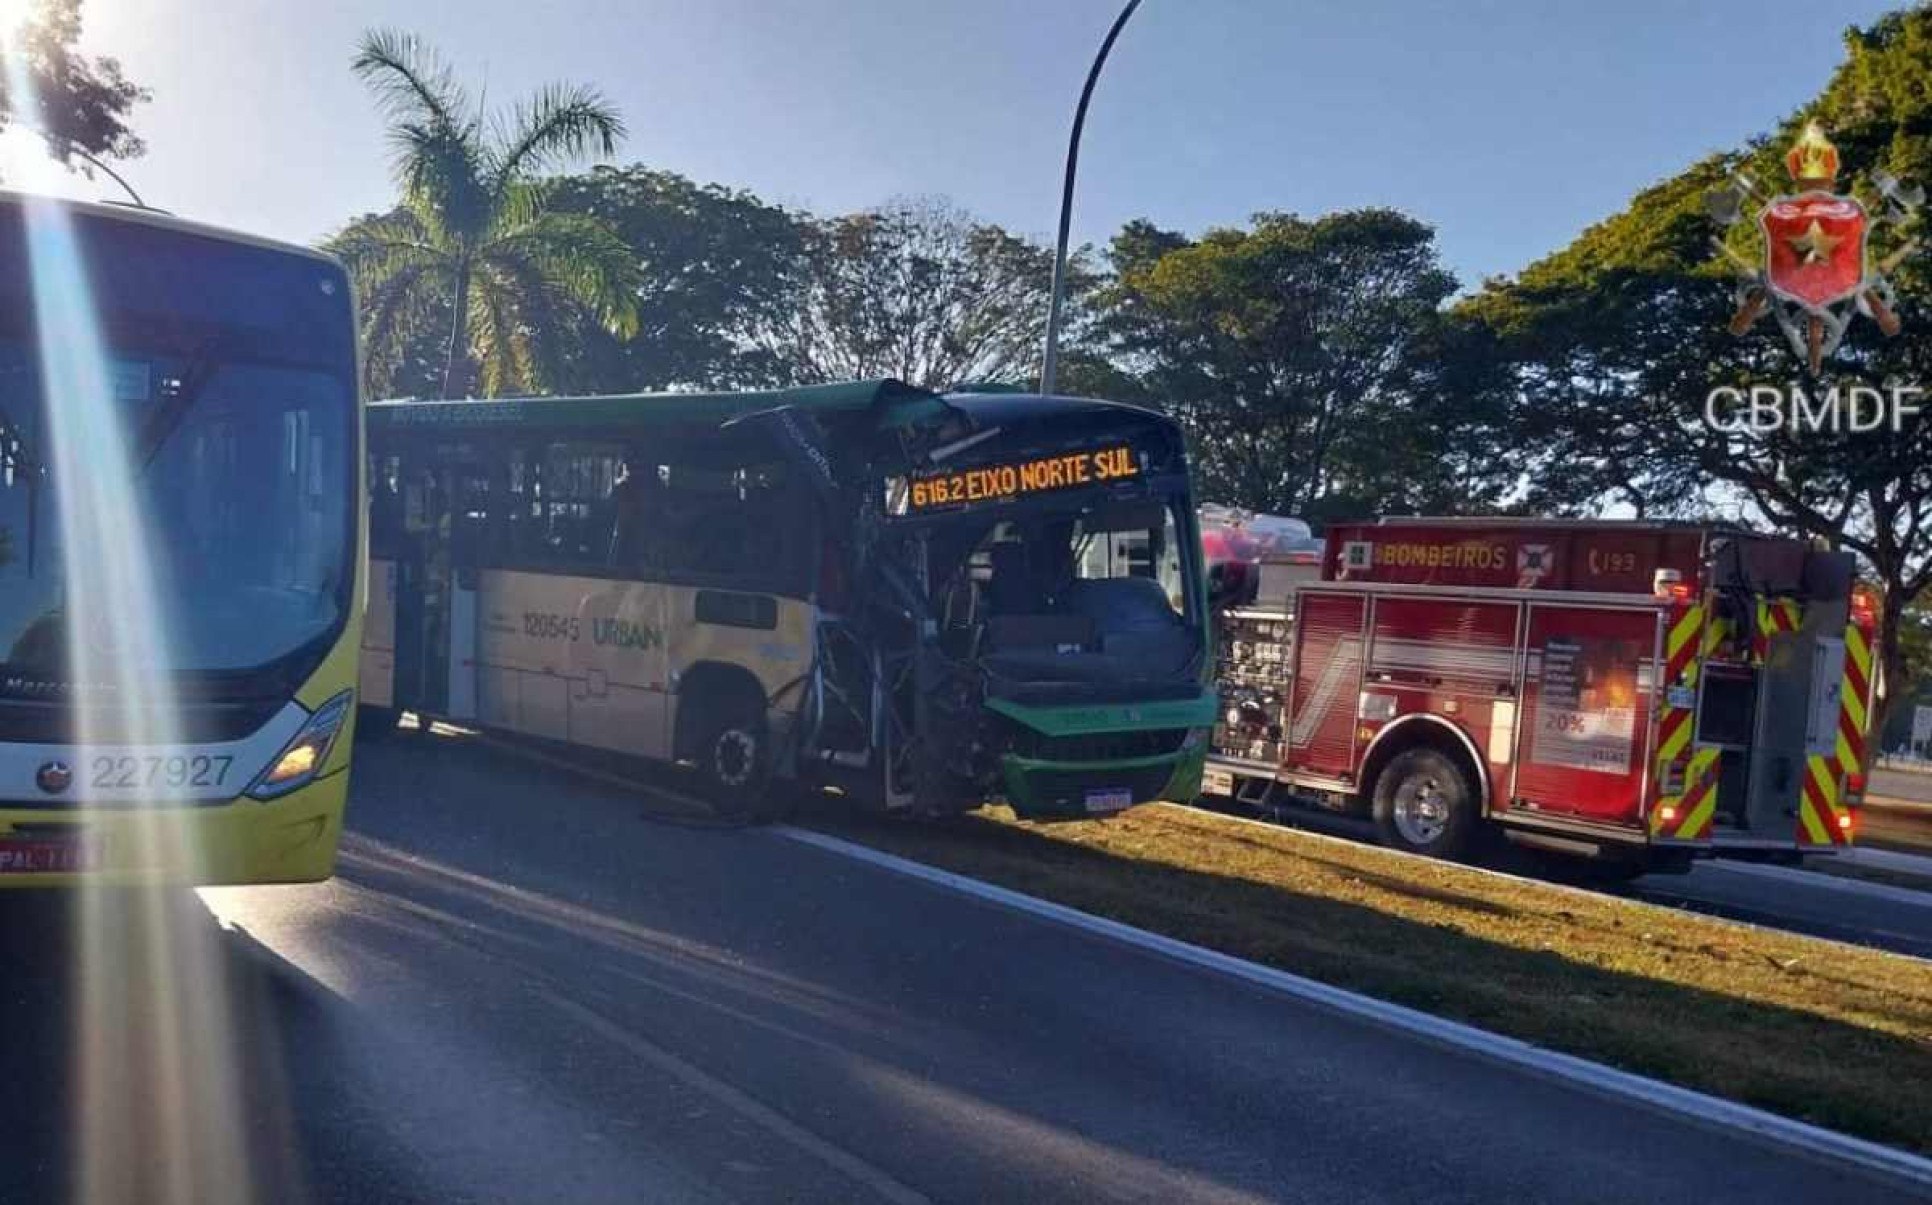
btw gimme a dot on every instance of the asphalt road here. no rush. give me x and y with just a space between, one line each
519 989
1889 918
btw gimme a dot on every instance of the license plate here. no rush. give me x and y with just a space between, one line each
1110 800
51 855
1217 782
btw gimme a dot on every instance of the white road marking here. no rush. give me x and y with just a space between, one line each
1696 1107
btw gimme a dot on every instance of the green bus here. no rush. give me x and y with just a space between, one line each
922 601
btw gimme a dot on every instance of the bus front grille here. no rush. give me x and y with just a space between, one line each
1098 746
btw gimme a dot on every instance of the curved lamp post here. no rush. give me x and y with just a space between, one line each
1051 363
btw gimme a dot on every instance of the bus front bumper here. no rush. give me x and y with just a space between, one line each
1037 789
287 840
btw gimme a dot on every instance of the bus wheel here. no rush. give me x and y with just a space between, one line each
733 752
1425 804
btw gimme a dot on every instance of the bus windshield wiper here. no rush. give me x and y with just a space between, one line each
167 417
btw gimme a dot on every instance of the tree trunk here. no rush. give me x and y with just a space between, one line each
456 366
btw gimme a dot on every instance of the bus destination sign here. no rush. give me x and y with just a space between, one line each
1002 482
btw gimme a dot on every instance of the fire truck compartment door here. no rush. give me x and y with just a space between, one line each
1777 745
1821 723
1797 716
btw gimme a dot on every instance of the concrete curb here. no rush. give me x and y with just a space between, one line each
1871 1158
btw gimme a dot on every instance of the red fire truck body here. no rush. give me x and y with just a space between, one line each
1638 693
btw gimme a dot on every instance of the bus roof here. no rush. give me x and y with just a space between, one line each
892 403
159 219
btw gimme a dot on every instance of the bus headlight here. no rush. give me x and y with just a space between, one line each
296 765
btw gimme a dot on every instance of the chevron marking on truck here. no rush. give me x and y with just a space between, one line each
1343 666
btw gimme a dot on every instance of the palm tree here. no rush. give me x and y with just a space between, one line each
471 250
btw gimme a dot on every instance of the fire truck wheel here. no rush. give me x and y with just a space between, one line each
1425 804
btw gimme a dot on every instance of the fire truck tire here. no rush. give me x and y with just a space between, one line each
1424 803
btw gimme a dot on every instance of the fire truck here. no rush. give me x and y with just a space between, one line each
1634 693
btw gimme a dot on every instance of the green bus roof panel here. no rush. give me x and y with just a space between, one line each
893 403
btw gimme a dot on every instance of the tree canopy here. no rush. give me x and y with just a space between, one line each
1308 360
916 290
714 268
475 251
84 102
1616 342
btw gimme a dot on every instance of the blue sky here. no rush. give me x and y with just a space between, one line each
1510 126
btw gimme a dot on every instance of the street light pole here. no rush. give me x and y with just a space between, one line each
1050 364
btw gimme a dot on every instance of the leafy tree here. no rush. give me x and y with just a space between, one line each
1308 361
475 251
714 267
916 290
83 103
1616 342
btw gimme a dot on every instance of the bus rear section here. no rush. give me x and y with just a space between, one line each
179 551
921 601
1635 694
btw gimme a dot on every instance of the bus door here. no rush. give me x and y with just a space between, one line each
436 590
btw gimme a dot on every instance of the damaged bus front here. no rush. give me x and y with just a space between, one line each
1026 618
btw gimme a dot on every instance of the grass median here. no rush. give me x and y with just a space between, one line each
1836 1036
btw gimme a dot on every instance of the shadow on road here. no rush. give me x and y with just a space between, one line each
152 1055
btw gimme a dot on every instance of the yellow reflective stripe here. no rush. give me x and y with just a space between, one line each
1674 742
1859 651
1685 627
1845 755
1702 760
1853 705
1813 826
1822 771
1716 632
1701 816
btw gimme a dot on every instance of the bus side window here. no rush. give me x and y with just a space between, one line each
637 514
385 505
558 511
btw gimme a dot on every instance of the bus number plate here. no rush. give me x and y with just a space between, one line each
1111 799
51 855
1217 782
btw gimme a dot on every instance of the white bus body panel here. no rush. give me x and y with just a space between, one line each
376 678
576 659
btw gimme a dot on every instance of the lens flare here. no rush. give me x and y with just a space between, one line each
158 1102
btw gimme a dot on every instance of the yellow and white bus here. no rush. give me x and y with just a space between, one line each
924 601
180 550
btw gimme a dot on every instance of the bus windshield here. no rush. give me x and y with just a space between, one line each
243 499
1079 590
231 374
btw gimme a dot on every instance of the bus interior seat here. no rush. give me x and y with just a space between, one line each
1010 587
1134 620
1057 633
